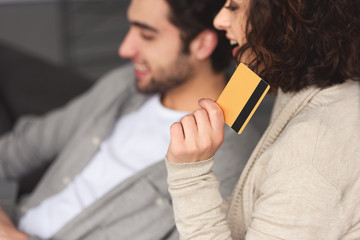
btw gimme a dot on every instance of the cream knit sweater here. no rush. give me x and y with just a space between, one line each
301 182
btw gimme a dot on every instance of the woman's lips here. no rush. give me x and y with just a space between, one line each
235 46
235 50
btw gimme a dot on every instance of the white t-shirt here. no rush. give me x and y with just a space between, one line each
139 140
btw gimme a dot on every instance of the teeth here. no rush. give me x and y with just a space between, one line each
140 67
233 42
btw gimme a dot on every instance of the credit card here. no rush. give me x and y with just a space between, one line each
241 97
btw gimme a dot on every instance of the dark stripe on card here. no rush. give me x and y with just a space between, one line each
251 103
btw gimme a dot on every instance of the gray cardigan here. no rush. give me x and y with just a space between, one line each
138 208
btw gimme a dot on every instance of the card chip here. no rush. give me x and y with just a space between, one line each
241 97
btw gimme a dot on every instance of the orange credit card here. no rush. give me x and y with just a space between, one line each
241 97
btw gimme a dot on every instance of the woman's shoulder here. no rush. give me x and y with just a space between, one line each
324 135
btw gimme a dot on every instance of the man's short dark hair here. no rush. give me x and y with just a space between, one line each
194 16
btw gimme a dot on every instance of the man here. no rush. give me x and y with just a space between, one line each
108 180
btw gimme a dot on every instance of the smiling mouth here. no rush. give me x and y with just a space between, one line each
141 70
140 67
233 42
234 46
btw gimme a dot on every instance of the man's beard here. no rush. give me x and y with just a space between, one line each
171 77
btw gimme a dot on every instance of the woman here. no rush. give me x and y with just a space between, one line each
302 180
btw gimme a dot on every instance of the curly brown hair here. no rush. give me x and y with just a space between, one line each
301 43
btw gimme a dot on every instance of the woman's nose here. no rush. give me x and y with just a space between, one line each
222 19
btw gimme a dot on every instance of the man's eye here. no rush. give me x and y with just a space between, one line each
147 37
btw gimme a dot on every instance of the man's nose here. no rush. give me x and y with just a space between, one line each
128 48
222 20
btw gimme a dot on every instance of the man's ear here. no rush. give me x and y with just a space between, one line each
204 44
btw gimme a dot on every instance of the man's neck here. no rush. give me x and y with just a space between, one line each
205 84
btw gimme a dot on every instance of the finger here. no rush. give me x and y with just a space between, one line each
202 122
189 126
176 142
214 112
177 133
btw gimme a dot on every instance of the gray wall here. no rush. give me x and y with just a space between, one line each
83 34
33 28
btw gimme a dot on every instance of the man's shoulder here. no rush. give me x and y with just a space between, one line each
116 80
124 71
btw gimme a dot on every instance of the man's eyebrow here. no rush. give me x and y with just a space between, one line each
144 26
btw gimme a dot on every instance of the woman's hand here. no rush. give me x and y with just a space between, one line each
198 135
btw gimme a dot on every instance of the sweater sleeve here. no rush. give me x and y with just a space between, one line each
37 139
197 202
